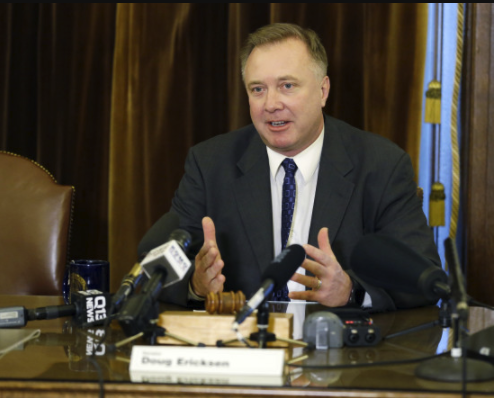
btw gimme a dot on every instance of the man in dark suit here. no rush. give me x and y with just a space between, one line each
347 183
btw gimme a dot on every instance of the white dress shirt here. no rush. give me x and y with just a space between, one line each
306 182
307 163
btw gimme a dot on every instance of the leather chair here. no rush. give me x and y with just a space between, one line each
35 226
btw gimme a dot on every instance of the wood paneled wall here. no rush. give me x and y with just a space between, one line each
478 150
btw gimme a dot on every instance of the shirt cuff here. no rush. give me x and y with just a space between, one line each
367 301
193 296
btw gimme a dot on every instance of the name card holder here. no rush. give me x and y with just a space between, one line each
207 365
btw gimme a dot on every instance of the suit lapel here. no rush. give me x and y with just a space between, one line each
333 190
253 193
253 196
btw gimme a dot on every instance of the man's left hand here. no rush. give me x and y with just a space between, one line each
335 286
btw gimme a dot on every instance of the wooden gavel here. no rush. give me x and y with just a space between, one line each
224 302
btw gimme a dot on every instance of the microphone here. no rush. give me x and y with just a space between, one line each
279 271
159 232
155 236
90 307
170 258
388 263
165 265
128 285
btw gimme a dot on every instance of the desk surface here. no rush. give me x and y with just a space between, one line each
55 364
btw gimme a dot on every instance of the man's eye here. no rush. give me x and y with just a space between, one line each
288 86
257 89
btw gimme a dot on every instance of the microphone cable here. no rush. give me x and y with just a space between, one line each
365 365
476 303
389 363
99 371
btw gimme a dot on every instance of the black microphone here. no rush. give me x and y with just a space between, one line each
386 262
279 271
90 307
128 285
156 235
165 265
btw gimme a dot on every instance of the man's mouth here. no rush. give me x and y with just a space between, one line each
278 123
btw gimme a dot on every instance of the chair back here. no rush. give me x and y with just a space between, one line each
35 226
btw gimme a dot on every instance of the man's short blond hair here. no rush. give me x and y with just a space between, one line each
279 32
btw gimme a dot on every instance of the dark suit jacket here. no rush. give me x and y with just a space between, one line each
365 185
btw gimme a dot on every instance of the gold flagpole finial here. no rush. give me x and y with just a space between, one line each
437 210
433 103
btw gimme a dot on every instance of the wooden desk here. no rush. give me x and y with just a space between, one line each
54 365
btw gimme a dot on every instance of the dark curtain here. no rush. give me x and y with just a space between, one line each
56 66
110 97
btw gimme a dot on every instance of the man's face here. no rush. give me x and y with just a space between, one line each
285 96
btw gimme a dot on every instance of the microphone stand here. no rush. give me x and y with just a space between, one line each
137 317
457 367
262 336
151 333
444 321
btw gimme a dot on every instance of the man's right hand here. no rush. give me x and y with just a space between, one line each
207 276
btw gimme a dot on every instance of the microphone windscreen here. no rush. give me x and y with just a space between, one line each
386 262
182 237
282 268
159 233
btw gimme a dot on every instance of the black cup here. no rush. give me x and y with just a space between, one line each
84 275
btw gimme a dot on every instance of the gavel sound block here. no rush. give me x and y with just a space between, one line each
208 328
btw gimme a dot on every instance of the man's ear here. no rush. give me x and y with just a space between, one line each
325 86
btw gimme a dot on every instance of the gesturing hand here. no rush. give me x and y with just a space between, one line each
207 276
335 286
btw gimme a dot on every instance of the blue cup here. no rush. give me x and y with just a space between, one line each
83 275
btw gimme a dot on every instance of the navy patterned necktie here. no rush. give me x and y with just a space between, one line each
287 209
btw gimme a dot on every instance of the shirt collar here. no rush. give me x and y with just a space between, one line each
307 160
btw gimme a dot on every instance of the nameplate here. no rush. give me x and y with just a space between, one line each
153 361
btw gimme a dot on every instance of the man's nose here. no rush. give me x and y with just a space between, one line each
273 101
